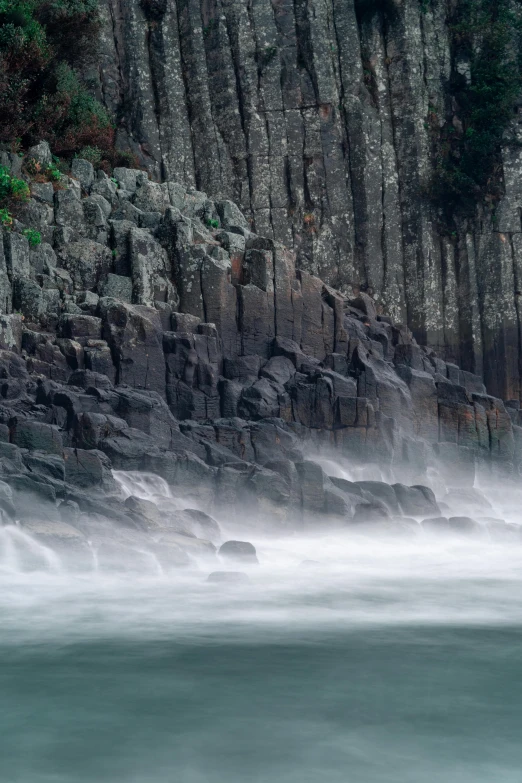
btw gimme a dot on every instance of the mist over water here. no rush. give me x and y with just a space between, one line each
355 655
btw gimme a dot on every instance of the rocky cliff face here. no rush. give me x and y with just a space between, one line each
152 330
153 326
315 118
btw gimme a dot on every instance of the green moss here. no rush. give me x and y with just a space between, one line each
266 55
212 223
34 237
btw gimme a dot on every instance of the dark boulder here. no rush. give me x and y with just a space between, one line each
228 577
238 550
462 525
381 491
368 512
35 435
88 469
416 501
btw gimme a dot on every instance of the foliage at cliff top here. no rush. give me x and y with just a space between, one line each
484 37
43 46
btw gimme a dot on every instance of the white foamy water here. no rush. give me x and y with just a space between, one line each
147 486
315 583
326 579
346 655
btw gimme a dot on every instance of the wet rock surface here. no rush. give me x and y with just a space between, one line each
239 551
189 347
228 577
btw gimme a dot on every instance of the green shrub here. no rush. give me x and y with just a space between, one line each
12 191
12 188
467 153
34 237
82 108
20 190
124 158
44 44
5 182
6 219
40 174
54 173
212 223
92 154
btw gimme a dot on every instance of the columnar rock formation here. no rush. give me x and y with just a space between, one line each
315 118
153 330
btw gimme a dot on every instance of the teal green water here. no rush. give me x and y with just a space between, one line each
421 705
388 665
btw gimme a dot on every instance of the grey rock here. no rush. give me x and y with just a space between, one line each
150 268
463 525
135 340
68 210
228 577
126 178
370 513
87 262
96 210
80 326
239 551
41 153
17 256
35 435
230 215
28 299
83 171
383 492
415 501
88 469
43 191
151 196
103 186
117 287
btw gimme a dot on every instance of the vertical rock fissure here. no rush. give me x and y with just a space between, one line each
317 118
343 111
518 302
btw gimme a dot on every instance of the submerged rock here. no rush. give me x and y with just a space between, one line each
452 524
382 492
371 513
416 501
228 577
467 498
238 550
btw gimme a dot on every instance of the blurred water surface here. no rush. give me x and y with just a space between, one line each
383 661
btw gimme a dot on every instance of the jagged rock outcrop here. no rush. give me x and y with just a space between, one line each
179 342
315 117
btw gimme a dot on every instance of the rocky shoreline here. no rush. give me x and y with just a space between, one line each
150 330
